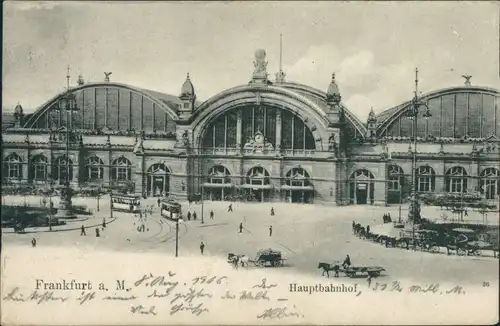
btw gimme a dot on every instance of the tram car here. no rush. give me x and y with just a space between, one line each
126 203
171 209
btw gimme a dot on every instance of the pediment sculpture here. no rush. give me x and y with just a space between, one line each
258 144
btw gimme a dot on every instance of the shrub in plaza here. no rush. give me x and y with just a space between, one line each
21 217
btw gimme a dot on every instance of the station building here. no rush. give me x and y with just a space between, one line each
262 141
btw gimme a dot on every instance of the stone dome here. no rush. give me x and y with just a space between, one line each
333 89
18 109
187 88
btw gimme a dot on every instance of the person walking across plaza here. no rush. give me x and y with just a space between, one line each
103 222
272 211
159 202
33 242
230 208
189 216
97 233
82 232
241 227
194 216
202 247
270 230
211 214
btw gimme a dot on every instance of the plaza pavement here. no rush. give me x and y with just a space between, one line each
306 234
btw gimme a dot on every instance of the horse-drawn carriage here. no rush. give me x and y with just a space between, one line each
350 271
268 257
264 258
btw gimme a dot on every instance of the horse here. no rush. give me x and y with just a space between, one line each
329 267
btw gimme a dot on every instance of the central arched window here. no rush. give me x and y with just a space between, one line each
39 168
13 166
219 175
426 179
121 169
258 176
95 168
489 183
297 177
279 127
456 179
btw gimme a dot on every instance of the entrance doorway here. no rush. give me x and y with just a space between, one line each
362 193
298 183
258 185
362 187
158 184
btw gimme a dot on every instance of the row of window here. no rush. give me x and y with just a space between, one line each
456 180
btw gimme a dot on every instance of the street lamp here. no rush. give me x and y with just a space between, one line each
412 114
67 103
202 199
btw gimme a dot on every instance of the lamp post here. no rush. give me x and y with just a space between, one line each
67 103
401 176
412 114
202 200
177 235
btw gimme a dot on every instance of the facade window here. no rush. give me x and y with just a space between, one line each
395 179
95 169
13 166
258 176
426 179
219 175
456 180
489 183
39 166
63 169
121 169
297 177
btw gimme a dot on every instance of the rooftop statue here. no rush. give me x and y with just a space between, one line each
260 64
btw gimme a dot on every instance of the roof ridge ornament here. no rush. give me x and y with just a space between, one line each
333 94
106 76
467 80
260 64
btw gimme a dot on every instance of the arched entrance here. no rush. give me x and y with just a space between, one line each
298 188
219 183
258 187
158 184
362 187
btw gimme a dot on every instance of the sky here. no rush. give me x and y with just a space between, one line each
373 48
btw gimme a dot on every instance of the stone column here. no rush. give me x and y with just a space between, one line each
278 131
76 168
239 144
473 181
26 167
379 197
140 178
440 180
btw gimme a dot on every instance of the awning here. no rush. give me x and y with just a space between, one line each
249 186
303 188
217 185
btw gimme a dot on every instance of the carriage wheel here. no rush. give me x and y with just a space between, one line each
261 263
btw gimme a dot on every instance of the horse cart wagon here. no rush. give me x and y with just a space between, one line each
353 271
268 258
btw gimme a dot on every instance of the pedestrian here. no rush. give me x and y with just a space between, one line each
270 230
103 222
33 242
272 211
211 214
347 262
189 216
241 227
369 280
97 234
368 229
230 208
194 216
159 202
82 232
202 247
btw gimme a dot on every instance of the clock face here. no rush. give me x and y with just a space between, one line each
259 138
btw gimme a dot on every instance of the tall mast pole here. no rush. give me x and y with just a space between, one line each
281 52
414 158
